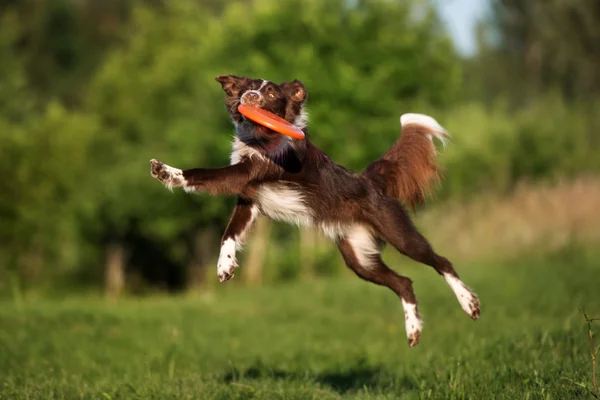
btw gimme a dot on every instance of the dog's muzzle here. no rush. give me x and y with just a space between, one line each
252 98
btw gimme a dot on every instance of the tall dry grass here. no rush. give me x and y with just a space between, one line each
535 218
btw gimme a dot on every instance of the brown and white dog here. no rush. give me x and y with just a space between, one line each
292 180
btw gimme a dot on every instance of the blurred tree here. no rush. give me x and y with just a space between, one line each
364 63
529 47
157 95
63 41
152 106
90 91
42 196
83 198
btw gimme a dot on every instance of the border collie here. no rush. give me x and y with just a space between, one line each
292 180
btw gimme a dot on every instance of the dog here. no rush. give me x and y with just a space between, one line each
292 180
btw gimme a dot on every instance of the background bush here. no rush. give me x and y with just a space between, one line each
89 93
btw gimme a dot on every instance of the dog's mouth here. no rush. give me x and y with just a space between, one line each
261 129
254 98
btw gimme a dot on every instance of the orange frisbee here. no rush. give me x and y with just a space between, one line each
271 121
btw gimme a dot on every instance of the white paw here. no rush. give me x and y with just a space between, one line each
470 303
467 299
413 323
225 268
171 177
227 262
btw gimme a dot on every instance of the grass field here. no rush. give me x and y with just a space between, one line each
327 339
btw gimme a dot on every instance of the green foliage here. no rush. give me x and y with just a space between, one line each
89 94
529 47
327 339
48 195
16 101
494 148
151 105
154 96
358 86
45 153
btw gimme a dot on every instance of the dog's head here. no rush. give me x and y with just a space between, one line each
285 100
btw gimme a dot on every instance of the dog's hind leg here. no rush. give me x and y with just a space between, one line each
240 223
393 224
361 253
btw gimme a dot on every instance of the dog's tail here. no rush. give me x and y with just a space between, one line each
409 169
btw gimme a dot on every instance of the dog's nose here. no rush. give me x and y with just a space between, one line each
251 96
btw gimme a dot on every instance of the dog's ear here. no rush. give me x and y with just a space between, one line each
294 90
231 84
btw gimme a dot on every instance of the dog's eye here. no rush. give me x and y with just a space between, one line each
271 95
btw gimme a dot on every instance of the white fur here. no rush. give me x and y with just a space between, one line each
227 257
412 321
188 189
176 178
334 230
241 238
301 120
467 299
425 120
240 150
264 83
284 203
227 261
363 243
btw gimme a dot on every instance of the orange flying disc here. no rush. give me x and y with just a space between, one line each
271 121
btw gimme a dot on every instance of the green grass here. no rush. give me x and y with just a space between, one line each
327 339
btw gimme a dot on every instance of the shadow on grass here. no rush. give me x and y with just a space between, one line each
353 378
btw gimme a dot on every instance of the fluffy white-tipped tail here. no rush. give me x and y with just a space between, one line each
408 170
428 122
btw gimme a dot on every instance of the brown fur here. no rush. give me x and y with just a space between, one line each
409 170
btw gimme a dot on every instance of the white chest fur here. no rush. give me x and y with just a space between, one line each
239 150
284 203
278 201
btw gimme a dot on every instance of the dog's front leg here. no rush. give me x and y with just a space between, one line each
230 180
240 223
